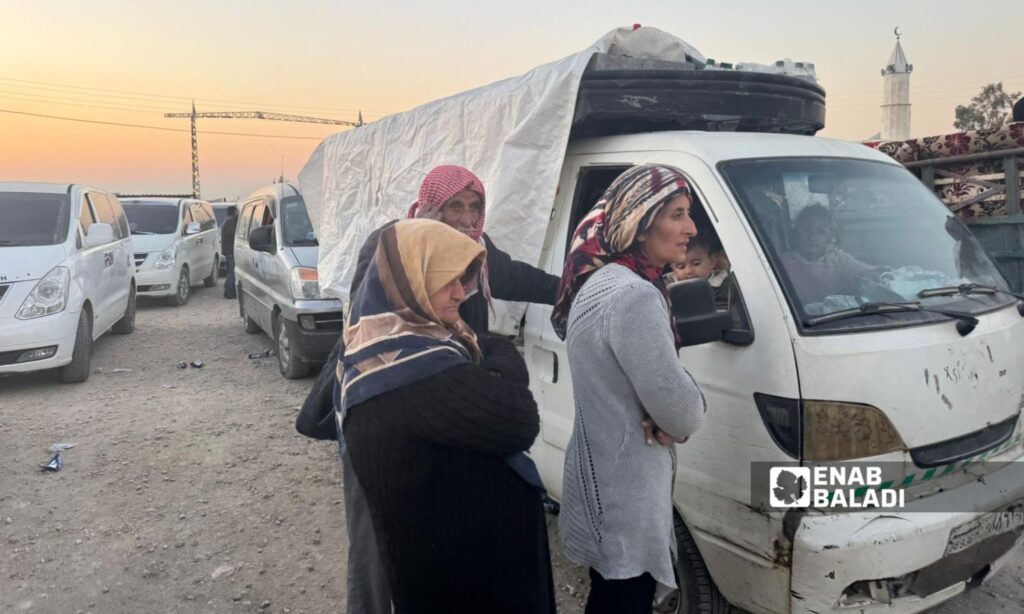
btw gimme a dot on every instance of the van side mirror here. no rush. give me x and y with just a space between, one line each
262 239
192 228
99 234
697 319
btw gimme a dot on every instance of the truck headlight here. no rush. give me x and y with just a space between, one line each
305 282
827 431
845 431
50 295
166 258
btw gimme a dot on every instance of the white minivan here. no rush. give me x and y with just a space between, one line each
66 276
176 245
916 368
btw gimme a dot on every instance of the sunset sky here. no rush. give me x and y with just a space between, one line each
129 62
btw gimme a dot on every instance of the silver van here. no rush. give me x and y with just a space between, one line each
276 254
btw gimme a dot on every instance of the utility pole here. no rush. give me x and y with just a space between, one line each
284 117
195 155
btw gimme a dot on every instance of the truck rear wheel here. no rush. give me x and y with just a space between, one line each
78 369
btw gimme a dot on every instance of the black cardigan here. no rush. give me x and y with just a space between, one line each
459 530
510 280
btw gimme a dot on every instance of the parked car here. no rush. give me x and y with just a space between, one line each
276 253
220 210
66 276
176 245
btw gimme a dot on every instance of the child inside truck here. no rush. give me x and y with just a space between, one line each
703 253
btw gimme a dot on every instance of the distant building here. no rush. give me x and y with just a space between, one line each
896 95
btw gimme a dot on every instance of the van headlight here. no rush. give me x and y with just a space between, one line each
166 258
50 295
845 431
305 282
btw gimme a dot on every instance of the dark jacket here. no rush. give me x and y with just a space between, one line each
510 280
227 235
460 531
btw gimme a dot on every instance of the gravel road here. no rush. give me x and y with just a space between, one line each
190 491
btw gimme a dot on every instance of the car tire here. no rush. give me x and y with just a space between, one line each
250 325
126 324
78 369
184 289
288 361
697 592
211 281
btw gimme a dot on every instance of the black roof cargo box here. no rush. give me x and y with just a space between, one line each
621 95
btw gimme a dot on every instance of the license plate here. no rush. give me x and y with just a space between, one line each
987 525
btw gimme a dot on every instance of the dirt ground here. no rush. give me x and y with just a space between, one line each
190 491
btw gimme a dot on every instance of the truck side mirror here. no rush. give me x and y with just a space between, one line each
262 239
697 319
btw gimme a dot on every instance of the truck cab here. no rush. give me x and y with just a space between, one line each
809 376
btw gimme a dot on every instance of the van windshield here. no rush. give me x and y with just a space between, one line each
296 227
28 218
841 232
151 218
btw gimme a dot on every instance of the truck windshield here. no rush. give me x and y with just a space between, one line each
840 233
297 228
28 218
151 218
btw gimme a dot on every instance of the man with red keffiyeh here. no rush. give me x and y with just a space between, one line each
455 196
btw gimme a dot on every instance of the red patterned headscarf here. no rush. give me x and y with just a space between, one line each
608 233
439 186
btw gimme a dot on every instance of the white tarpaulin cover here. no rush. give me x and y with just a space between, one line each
512 134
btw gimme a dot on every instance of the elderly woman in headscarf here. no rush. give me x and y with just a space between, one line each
614 312
430 416
455 196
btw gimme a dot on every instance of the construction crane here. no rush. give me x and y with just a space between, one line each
282 117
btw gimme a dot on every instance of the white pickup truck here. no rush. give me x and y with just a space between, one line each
894 342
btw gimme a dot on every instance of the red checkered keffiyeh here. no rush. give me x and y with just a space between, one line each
438 187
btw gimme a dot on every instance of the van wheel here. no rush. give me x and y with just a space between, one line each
126 324
211 281
78 369
697 592
184 289
250 325
288 362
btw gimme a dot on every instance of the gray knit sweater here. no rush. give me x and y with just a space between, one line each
617 508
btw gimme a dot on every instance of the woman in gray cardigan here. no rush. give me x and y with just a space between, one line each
613 311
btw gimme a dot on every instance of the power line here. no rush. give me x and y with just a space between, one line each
146 97
161 128
5 96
